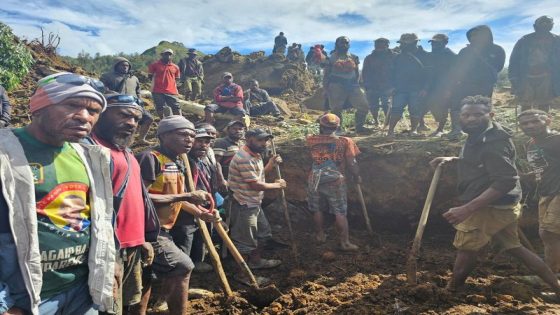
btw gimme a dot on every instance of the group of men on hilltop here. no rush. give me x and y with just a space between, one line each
86 227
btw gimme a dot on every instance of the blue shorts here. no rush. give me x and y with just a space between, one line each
335 195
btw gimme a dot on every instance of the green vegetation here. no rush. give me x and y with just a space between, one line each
15 58
139 62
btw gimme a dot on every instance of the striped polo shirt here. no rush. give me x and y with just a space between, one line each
246 167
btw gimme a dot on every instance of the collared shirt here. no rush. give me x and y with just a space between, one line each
245 168
226 148
165 75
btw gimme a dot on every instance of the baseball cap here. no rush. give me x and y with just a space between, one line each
235 122
258 133
202 133
408 38
167 51
329 120
382 40
227 74
439 38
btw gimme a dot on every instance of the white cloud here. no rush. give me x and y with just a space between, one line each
132 26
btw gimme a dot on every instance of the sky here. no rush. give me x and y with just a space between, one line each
129 26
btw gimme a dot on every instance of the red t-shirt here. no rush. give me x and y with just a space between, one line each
130 226
230 90
165 75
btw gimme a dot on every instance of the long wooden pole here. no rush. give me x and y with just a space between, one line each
411 262
285 206
207 239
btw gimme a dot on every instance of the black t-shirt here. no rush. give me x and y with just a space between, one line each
544 158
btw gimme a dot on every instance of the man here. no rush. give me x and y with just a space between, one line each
341 83
164 90
375 77
5 109
192 75
295 53
534 66
543 155
411 78
315 61
185 233
249 227
439 94
121 80
136 224
475 73
58 251
225 148
332 156
258 102
164 172
490 191
280 43
228 97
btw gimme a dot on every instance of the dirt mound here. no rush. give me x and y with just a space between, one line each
274 73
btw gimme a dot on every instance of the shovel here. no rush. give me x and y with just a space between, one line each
258 296
413 255
208 240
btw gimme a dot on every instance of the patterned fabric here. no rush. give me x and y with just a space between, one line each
63 212
246 167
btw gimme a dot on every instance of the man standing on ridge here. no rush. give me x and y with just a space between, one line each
341 83
376 78
534 66
438 100
192 75
122 81
164 83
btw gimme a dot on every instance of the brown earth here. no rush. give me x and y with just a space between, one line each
370 281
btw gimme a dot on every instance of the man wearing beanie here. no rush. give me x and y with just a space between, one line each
56 205
332 156
164 172
136 223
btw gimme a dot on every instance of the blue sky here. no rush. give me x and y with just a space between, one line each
113 26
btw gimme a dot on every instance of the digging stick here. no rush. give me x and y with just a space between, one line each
364 209
285 205
411 262
207 239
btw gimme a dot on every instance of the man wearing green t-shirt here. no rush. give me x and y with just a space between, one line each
60 214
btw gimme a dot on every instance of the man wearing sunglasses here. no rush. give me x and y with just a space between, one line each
136 223
57 244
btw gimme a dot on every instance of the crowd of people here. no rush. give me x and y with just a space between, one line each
88 227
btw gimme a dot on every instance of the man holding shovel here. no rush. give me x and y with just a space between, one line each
163 172
489 188
249 227
332 156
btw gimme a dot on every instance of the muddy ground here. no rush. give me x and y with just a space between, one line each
372 281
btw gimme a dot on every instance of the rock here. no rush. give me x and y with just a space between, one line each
328 256
476 298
